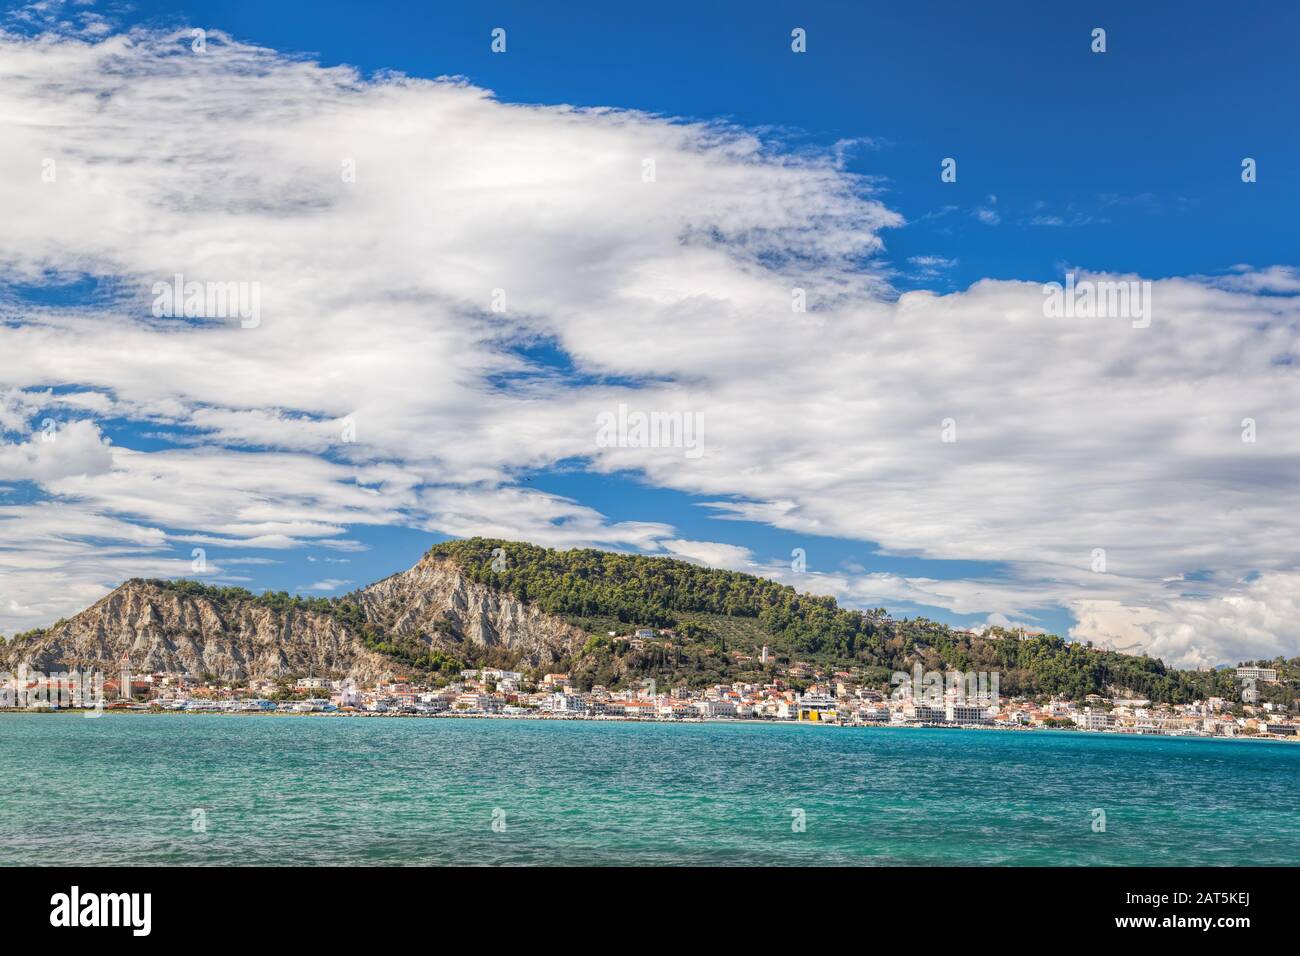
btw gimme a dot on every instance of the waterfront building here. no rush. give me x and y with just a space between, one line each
638 708
347 696
872 714
955 713
716 708
562 703
481 703
923 713
1094 719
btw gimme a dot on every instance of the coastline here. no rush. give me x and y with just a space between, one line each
217 712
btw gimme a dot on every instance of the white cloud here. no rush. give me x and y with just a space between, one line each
57 558
376 314
1255 620
714 554
329 584
56 453
544 519
1243 278
932 262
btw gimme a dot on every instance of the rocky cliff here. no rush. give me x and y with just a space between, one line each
162 628
435 600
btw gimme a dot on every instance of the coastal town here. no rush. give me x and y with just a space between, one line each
803 693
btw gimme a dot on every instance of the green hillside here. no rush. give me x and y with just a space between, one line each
720 614
721 620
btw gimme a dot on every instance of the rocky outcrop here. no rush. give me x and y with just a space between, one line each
164 629
160 629
435 601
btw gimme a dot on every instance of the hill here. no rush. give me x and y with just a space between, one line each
718 614
484 602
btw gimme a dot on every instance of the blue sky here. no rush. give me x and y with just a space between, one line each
1126 162
1137 151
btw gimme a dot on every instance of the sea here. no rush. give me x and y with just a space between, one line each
213 789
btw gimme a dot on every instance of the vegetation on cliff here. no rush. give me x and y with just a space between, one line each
704 605
410 653
720 620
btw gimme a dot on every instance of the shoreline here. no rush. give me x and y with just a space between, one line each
154 712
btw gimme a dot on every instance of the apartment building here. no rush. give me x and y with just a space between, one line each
1090 719
955 713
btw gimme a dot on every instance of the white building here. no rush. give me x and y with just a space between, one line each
676 707
1094 719
561 703
924 713
716 708
482 703
347 696
1257 673
955 713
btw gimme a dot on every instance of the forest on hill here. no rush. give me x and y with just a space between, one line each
590 587
719 620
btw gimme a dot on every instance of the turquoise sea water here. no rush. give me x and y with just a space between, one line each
121 789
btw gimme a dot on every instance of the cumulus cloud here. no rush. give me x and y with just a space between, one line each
416 243
58 557
1254 620
715 554
77 449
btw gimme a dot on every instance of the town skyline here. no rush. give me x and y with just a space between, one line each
849 336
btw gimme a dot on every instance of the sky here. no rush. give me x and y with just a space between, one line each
459 265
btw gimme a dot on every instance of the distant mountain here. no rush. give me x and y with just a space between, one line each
481 602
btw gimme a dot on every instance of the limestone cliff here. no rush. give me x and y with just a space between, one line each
160 628
436 600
